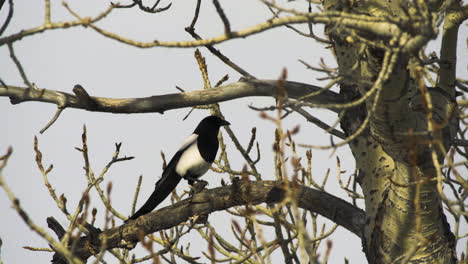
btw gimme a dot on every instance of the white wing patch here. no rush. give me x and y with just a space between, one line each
191 160
188 141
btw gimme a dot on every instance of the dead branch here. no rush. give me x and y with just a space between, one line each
161 103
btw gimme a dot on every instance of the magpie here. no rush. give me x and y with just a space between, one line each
190 162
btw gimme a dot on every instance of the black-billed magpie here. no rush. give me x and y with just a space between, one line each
190 162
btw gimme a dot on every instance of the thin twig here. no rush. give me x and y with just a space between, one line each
318 122
222 15
388 64
47 13
137 191
19 66
142 7
59 247
52 121
220 55
8 18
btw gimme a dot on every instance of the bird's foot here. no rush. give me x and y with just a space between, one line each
194 181
196 188
199 185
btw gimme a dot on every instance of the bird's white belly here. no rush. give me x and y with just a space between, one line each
192 162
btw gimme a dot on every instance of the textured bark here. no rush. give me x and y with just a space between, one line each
161 103
404 216
217 199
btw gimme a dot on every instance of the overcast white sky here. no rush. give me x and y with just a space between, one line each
60 59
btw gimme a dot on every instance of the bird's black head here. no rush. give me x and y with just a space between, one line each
210 124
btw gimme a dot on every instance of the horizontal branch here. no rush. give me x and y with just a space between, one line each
161 103
369 24
222 198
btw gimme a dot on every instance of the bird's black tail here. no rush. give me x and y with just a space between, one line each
164 187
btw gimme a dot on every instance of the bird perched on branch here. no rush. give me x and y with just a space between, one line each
192 160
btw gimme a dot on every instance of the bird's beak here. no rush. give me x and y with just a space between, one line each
225 123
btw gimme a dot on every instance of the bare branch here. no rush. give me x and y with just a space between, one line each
52 121
27 219
154 9
58 25
8 18
388 65
448 48
19 66
137 191
47 13
374 25
220 55
318 122
221 198
161 103
222 15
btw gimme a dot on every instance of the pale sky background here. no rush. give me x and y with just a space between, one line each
60 59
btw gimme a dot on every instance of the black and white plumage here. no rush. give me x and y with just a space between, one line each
191 161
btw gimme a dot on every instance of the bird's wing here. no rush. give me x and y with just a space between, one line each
188 142
167 183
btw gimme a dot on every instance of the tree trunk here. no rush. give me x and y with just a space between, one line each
399 151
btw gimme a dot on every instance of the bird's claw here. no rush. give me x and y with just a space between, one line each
197 187
192 181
